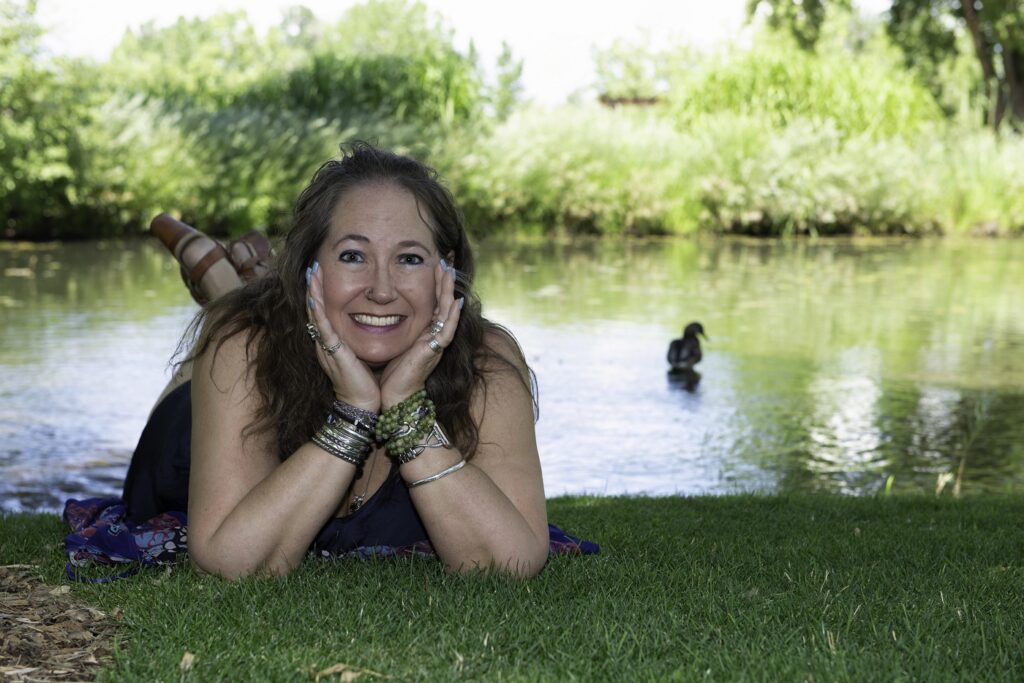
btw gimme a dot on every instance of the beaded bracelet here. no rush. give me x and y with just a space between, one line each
409 427
391 419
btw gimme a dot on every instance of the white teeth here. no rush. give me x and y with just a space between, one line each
377 320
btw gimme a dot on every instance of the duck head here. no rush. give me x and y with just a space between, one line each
693 329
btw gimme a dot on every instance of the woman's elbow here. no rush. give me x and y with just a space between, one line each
520 565
230 566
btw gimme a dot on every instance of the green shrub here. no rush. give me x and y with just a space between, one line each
580 169
863 92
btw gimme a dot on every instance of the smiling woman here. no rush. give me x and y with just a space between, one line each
351 400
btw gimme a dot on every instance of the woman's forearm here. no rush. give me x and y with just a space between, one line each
472 524
271 528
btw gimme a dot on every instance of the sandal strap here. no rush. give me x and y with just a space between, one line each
196 272
182 244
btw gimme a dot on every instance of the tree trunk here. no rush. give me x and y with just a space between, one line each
1011 60
996 104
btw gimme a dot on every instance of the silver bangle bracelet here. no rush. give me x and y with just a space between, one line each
434 477
342 446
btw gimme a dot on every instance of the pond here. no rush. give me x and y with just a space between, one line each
849 366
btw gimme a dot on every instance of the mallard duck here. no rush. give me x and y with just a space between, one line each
684 353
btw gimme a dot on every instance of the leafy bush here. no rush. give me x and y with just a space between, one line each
578 169
855 92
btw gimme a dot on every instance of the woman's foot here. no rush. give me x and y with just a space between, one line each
250 255
206 266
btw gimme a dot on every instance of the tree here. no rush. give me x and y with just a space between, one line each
44 108
509 91
802 18
630 72
926 31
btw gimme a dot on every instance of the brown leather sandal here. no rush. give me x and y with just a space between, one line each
250 254
176 236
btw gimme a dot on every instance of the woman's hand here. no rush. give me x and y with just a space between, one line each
408 373
352 380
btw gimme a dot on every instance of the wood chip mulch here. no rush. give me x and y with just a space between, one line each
46 634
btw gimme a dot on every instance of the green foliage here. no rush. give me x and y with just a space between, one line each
931 34
583 170
389 59
509 91
222 125
934 33
43 108
629 71
209 119
198 62
803 20
862 92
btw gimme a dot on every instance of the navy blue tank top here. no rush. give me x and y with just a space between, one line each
157 482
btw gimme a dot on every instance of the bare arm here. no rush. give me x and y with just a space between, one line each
492 512
248 511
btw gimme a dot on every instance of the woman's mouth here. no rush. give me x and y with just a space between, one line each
378 323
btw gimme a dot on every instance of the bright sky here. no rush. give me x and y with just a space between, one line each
554 38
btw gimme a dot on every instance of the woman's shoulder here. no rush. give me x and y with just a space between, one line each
501 351
228 356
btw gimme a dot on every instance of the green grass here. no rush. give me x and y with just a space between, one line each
724 589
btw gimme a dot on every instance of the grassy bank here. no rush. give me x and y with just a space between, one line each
731 588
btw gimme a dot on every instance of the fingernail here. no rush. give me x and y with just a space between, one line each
316 266
461 303
309 275
312 304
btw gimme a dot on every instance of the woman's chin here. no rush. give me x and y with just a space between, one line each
375 359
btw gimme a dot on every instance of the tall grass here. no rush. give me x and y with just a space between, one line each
575 168
862 91
588 169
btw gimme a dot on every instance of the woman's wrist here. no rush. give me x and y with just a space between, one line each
369 406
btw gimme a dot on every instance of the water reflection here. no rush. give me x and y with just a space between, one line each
831 366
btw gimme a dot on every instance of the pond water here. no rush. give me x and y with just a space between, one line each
839 366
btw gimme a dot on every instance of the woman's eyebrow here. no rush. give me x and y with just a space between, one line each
351 236
414 243
405 244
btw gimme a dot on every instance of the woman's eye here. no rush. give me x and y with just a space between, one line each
410 259
351 257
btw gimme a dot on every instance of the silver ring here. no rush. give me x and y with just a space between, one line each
314 333
330 351
434 346
435 327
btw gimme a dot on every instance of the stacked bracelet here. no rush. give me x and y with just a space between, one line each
363 419
344 438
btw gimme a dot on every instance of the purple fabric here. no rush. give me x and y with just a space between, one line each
101 533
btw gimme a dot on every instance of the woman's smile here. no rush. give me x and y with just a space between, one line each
377 324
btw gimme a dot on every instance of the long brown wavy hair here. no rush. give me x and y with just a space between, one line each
271 310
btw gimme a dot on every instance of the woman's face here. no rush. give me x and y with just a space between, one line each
378 264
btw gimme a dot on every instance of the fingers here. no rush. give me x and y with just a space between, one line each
446 313
331 342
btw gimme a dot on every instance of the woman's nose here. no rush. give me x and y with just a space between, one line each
382 288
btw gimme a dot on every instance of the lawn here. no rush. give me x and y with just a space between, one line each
709 588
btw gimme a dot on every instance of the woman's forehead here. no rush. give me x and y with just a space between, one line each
380 212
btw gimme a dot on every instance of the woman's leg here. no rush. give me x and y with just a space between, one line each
219 277
206 267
